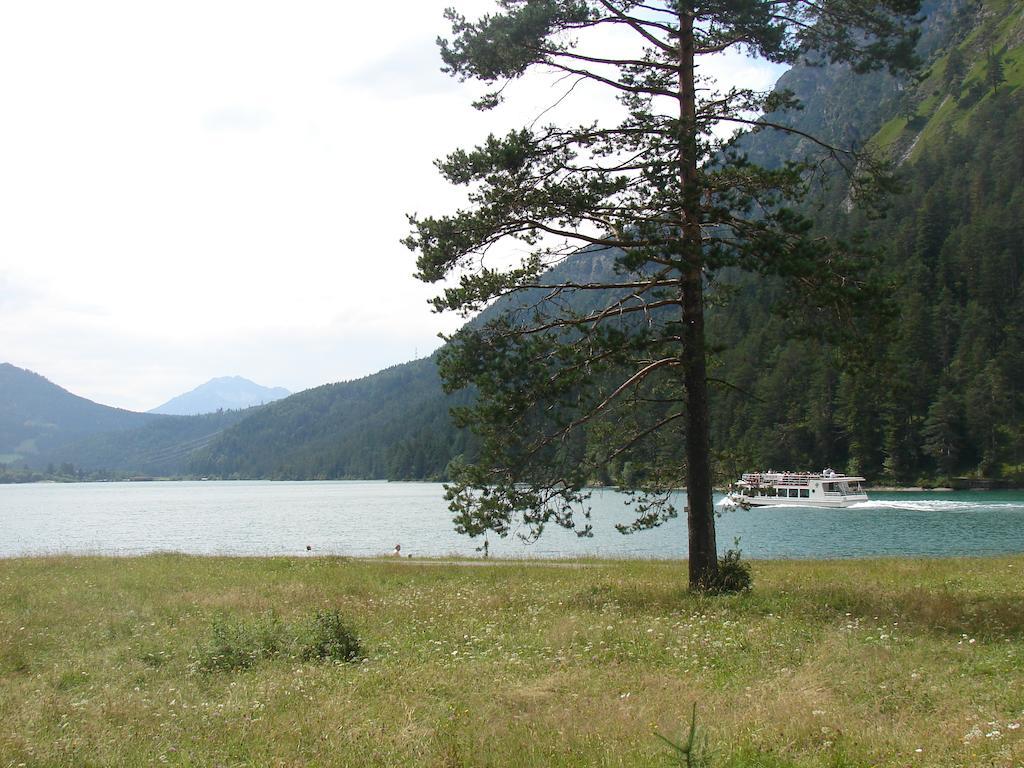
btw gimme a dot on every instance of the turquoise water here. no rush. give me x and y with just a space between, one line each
369 518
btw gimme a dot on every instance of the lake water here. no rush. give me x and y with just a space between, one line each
369 518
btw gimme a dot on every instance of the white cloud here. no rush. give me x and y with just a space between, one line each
412 70
237 119
197 189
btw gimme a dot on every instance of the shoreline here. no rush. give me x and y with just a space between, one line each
717 489
455 561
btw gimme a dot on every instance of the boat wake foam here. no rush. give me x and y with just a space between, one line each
921 505
935 505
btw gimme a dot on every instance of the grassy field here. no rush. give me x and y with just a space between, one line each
852 663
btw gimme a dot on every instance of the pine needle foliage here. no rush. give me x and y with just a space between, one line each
677 207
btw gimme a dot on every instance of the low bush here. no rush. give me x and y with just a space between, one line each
328 637
734 574
236 644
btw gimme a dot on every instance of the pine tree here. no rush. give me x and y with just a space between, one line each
956 69
673 204
943 433
995 75
988 405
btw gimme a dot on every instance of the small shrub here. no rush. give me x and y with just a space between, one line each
692 753
238 644
329 637
734 574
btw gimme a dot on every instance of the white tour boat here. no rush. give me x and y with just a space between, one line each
806 489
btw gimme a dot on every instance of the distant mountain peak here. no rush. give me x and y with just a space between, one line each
222 392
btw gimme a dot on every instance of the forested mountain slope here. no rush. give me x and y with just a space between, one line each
393 424
37 416
944 394
161 448
45 427
845 108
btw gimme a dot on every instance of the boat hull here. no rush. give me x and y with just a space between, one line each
768 501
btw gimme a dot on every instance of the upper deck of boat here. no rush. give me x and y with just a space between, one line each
796 479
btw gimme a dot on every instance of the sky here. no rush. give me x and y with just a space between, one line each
200 189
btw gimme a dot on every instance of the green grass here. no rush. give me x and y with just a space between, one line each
889 133
939 113
843 663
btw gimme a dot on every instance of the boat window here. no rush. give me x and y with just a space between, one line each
793 493
828 487
804 493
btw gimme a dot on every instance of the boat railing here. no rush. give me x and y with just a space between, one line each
787 479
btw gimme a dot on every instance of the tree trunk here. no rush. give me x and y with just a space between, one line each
703 558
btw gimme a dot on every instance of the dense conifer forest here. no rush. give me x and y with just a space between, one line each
941 394
939 391
392 425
